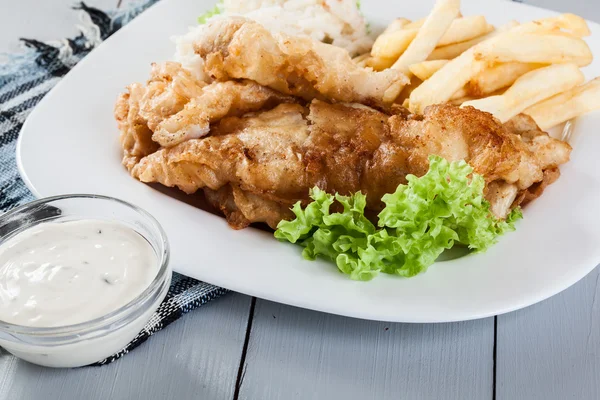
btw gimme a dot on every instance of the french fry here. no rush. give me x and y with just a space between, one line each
452 77
434 27
379 63
460 100
454 50
462 94
393 92
576 25
415 24
361 57
424 70
558 32
534 48
498 77
530 89
396 25
448 80
470 60
404 95
463 29
567 105
393 44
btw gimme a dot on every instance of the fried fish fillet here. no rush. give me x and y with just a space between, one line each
140 110
173 107
243 207
260 152
258 165
237 48
168 90
217 100
136 136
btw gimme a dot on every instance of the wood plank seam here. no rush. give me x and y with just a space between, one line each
590 330
242 366
494 352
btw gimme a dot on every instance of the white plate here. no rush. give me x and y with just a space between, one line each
69 144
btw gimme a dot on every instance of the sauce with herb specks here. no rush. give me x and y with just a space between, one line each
63 273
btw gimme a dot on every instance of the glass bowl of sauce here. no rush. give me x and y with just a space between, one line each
80 276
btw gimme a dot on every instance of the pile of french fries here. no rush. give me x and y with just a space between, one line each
531 68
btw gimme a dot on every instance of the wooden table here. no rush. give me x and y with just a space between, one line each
240 347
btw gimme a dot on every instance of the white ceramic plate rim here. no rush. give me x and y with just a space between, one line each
521 270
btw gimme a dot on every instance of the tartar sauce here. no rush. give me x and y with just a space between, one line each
63 273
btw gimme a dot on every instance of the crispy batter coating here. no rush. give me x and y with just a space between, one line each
139 110
214 102
269 160
287 114
237 48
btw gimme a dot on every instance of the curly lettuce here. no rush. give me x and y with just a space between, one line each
216 10
421 219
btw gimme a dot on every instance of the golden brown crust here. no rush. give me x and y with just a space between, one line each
264 150
215 102
237 48
537 189
241 208
136 136
139 110
341 143
269 160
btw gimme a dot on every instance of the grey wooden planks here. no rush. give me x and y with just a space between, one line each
300 354
551 350
195 357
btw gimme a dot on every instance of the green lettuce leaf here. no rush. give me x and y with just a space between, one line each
217 9
421 219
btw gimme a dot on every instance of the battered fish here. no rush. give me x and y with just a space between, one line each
237 48
258 165
139 110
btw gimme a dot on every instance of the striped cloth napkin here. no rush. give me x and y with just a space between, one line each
24 80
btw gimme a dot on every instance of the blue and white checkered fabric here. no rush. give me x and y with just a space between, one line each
24 80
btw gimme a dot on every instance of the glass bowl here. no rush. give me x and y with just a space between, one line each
94 340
